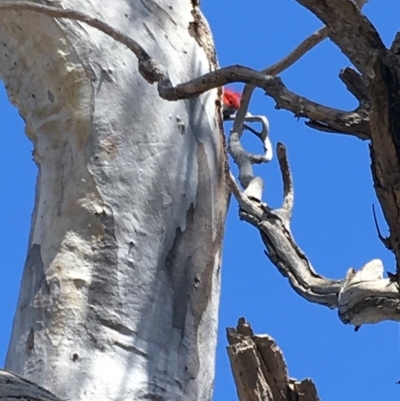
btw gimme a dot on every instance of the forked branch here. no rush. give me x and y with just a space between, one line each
351 123
358 297
349 29
253 185
275 69
282 65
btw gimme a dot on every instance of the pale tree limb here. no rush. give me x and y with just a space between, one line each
253 185
16 388
281 247
296 54
263 136
259 368
275 69
349 29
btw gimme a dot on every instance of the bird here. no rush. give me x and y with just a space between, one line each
230 103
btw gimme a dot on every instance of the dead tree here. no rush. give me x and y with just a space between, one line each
90 121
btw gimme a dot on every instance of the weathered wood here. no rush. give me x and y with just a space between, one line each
260 371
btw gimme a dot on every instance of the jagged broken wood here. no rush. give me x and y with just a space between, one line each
259 369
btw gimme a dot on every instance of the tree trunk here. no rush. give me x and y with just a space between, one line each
120 290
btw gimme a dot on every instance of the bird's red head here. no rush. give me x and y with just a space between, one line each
231 99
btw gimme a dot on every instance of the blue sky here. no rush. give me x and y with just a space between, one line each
332 220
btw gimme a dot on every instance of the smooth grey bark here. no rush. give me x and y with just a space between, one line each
120 290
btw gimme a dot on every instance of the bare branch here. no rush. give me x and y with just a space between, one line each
352 32
355 84
359 297
351 123
284 252
366 297
335 119
263 136
359 300
253 185
215 79
275 69
296 54
354 124
288 189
